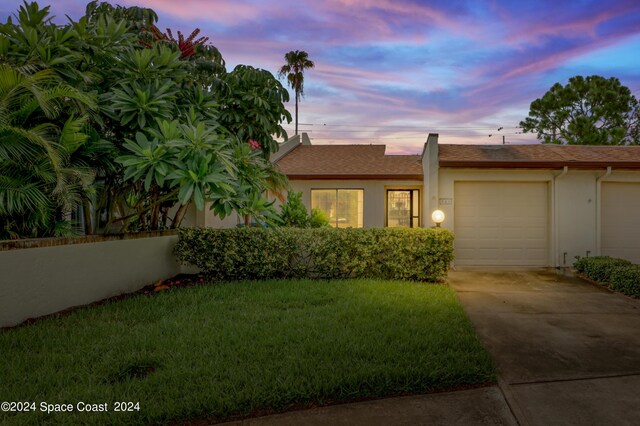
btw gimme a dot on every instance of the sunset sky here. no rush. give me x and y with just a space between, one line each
392 71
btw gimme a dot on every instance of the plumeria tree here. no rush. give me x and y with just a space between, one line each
252 106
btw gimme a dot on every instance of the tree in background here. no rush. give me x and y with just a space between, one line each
297 62
587 111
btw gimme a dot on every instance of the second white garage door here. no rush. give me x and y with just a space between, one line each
621 220
501 223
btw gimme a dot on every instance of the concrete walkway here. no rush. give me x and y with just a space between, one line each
484 406
568 352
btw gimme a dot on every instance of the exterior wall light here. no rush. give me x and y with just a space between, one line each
438 217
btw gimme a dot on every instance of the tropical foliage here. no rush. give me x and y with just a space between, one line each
44 152
110 117
587 111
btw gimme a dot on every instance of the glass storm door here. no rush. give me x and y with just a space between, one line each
403 208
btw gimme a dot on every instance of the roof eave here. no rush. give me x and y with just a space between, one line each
539 164
355 177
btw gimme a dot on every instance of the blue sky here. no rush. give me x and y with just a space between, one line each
391 71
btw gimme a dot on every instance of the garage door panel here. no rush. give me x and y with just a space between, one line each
513 254
620 224
485 233
510 234
486 253
501 223
534 233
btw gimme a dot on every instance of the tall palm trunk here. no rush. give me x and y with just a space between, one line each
297 96
297 62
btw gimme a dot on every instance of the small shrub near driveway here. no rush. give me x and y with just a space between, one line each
617 274
258 253
626 280
598 268
236 349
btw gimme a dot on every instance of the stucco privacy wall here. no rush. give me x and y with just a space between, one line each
209 220
374 195
40 281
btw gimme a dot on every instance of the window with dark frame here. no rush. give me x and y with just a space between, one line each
403 208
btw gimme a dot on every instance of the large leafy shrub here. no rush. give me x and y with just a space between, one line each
258 253
109 116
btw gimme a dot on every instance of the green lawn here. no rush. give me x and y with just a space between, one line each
238 349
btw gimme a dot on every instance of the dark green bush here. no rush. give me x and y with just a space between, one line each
626 280
617 274
598 268
259 253
294 213
318 218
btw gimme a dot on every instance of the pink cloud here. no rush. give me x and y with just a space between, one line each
517 68
411 12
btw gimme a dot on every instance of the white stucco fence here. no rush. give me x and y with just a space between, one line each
37 281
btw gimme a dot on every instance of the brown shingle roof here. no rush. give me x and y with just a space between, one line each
538 156
349 162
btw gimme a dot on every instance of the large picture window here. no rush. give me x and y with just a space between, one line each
344 207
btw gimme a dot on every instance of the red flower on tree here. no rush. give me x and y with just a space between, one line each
186 45
254 144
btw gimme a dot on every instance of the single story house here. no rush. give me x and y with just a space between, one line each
509 205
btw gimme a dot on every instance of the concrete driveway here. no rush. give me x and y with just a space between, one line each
568 352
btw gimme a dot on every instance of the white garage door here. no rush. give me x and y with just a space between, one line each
621 220
501 223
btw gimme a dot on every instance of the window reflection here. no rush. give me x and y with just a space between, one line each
344 207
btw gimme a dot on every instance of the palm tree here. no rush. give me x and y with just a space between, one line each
297 62
40 178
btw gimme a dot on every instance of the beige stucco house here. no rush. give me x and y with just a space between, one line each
509 205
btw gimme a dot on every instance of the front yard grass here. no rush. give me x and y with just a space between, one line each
239 349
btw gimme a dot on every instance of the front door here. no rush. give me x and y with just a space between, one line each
403 208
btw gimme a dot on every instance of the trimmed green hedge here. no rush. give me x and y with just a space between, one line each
617 274
259 253
598 268
626 280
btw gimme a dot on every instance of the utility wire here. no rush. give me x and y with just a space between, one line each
391 131
399 126
510 136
